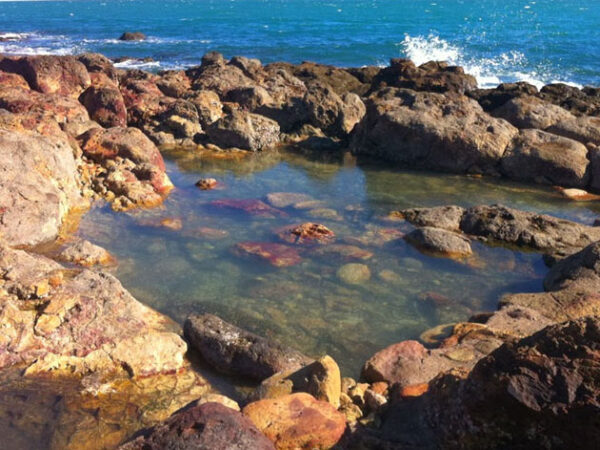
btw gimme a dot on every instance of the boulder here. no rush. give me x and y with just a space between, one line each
527 111
208 104
174 83
38 188
105 105
84 253
491 99
440 242
97 63
244 130
584 101
297 421
547 158
231 350
50 74
432 131
209 425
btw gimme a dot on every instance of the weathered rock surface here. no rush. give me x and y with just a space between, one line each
433 131
297 421
132 36
84 253
306 233
277 255
537 392
207 426
105 105
244 130
548 158
232 350
38 187
66 323
440 242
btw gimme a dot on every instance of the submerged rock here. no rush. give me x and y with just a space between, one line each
354 273
277 255
231 350
306 233
210 425
249 206
297 421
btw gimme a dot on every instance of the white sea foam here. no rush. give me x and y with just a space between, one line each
489 72
137 64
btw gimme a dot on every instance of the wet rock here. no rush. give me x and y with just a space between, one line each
440 242
207 184
344 252
49 74
249 206
354 273
209 425
277 255
285 199
537 392
79 324
432 131
244 130
432 76
84 253
548 234
132 36
544 157
306 233
297 421
321 379
446 217
38 187
578 195
231 350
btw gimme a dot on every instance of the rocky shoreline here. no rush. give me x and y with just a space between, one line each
75 130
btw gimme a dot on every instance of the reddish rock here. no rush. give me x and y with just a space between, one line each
277 255
344 252
97 63
235 351
306 233
50 74
249 206
297 421
105 105
207 426
8 79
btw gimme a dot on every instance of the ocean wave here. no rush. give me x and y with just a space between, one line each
489 71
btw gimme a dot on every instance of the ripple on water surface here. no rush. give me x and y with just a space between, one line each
182 258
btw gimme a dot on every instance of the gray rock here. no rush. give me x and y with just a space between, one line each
440 242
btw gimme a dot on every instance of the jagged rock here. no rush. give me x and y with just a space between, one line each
97 63
209 425
544 157
232 350
539 391
244 130
105 105
440 242
38 187
297 421
174 83
445 217
433 131
584 101
432 76
491 99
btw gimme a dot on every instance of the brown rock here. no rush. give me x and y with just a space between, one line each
244 130
544 157
297 421
232 350
105 105
440 242
132 36
207 184
208 425
84 253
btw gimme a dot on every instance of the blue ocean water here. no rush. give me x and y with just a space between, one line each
496 40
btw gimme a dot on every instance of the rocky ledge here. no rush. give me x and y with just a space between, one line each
103 370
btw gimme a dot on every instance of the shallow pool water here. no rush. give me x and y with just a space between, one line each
190 264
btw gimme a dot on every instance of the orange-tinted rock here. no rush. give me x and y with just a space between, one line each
297 421
277 255
172 223
383 365
50 74
207 184
105 105
12 80
84 253
414 390
249 206
306 233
